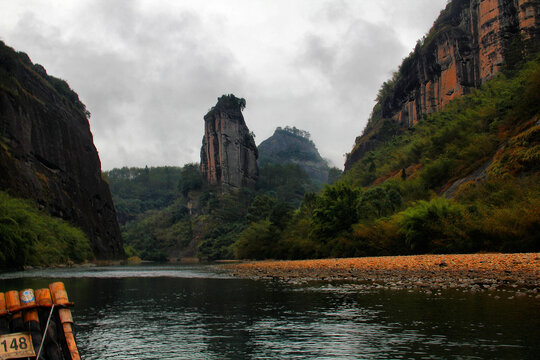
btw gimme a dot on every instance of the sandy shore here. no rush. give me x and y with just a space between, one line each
473 272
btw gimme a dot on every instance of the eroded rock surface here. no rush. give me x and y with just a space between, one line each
47 152
228 154
468 45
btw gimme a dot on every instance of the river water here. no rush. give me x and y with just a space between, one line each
199 312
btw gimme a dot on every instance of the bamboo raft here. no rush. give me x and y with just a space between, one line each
37 324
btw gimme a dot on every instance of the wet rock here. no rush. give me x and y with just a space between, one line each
387 272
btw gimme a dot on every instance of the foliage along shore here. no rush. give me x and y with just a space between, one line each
463 180
30 237
494 273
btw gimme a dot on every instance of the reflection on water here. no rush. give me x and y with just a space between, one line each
142 271
194 312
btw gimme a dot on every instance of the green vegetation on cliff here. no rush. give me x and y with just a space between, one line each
465 179
456 141
453 59
47 153
31 237
228 103
168 213
10 61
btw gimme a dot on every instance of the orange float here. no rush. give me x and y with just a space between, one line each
60 298
20 313
4 323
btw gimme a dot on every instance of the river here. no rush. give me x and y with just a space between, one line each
199 312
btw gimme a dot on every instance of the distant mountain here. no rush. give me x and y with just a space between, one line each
292 145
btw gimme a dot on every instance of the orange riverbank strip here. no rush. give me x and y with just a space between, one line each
481 271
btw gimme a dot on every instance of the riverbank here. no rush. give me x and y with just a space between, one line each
472 272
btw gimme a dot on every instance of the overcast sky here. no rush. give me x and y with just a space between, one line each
148 71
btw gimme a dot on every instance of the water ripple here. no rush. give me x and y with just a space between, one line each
196 312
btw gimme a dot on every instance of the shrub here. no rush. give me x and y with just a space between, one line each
437 173
378 202
380 237
432 226
256 242
503 213
335 211
31 237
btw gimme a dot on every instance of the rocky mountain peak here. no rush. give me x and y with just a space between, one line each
228 154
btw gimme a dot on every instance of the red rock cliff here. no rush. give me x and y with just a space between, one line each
228 153
469 43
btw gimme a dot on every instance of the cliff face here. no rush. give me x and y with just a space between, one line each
294 146
47 152
469 43
228 153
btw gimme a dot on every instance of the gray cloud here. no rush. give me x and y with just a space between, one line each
147 96
148 71
360 58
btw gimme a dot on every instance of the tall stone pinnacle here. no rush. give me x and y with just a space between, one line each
228 154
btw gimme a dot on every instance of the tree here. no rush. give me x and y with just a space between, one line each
335 211
281 215
260 208
378 202
334 174
190 178
256 242
242 103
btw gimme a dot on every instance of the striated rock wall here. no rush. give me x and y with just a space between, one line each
228 154
466 53
47 152
468 45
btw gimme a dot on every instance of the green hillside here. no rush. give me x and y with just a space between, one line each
168 213
137 190
465 179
